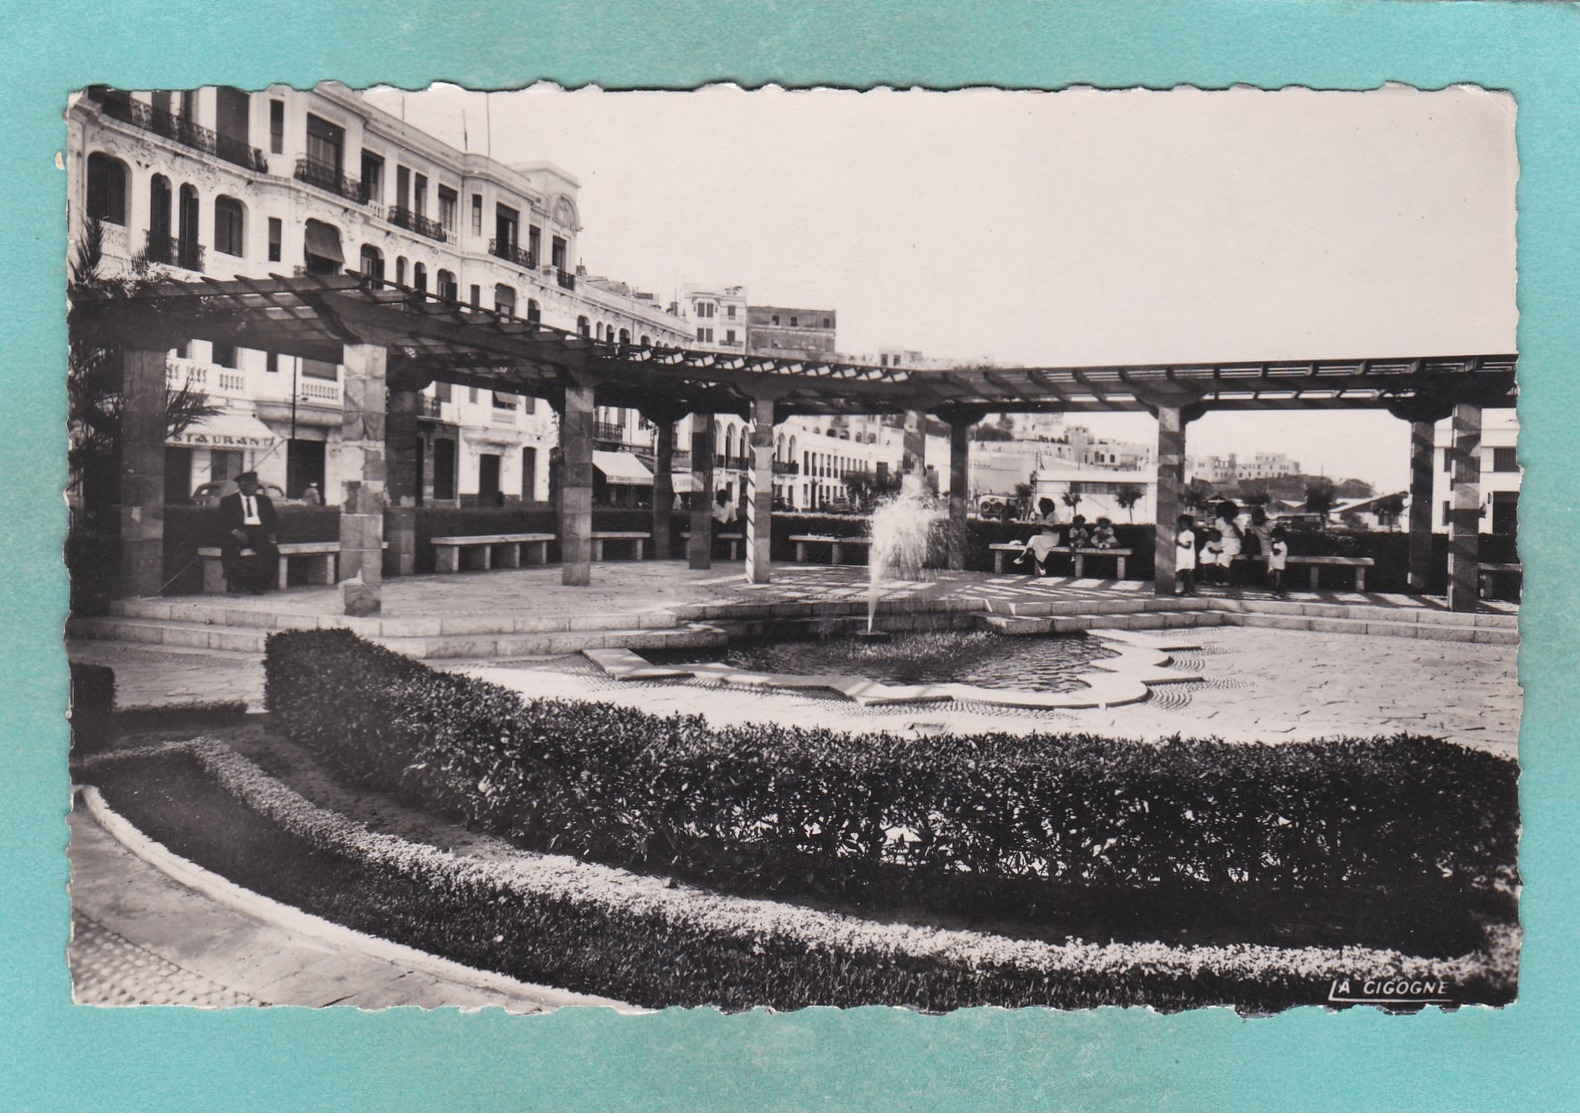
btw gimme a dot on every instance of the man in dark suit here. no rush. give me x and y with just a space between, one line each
249 522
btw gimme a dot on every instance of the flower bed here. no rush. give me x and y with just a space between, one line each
642 939
1403 842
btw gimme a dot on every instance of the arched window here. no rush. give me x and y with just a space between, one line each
229 218
583 326
646 341
505 299
160 199
190 251
534 312
400 270
445 286
372 265
419 277
106 189
625 337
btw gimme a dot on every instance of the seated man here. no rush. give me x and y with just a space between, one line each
249 521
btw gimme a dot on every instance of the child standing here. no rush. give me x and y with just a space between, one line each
1185 557
1214 563
1277 558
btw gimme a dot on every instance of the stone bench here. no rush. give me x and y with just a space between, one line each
447 549
1317 562
734 539
1488 574
637 538
325 556
836 544
1081 554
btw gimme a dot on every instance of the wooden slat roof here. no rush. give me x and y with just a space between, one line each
437 339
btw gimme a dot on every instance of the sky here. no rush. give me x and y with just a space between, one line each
1070 228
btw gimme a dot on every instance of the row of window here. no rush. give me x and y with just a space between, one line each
1504 460
795 321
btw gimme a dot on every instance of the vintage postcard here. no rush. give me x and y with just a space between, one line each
793 548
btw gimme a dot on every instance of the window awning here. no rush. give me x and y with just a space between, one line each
621 468
324 241
228 431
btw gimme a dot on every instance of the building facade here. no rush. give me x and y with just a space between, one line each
222 183
1500 473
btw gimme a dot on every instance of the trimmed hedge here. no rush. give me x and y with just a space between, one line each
601 930
92 704
1404 842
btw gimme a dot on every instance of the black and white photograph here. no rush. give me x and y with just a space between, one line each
793 547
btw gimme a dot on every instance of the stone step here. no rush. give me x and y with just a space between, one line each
477 647
174 634
1466 633
1363 612
1124 622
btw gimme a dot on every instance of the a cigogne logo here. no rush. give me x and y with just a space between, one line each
1388 990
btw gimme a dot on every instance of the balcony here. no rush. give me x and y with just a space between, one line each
120 106
507 250
173 251
212 380
608 432
566 279
326 177
430 407
407 218
320 391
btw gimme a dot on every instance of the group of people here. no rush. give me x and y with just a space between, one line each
1042 546
1212 548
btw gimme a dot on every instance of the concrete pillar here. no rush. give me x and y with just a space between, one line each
699 552
914 446
663 487
365 470
1171 480
1464 524
142 496
576 485
760 492
400 448
1421 462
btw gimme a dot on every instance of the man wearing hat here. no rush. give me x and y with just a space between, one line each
249 521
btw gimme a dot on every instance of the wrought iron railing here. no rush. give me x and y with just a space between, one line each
608 432
566 279
161 122
408 218
430 407
161 248
326 177
508 250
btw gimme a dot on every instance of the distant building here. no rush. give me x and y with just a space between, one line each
788 331
1228 469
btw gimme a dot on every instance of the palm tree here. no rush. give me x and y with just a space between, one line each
93 376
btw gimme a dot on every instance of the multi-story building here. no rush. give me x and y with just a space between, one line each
1225 469
788 331
1500 472
719 317
222 183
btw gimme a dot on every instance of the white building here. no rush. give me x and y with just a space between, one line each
221 183
1500 472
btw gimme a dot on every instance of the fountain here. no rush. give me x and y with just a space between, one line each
900 529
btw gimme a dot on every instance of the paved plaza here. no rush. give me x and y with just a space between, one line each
1259 684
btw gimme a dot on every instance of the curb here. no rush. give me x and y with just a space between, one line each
294 921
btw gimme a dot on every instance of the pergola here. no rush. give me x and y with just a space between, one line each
394 342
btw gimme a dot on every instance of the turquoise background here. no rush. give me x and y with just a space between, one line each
55 1055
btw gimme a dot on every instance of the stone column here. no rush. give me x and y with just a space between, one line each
1171 479
1464 524
364 466
663 487
961 418
400 448
914 463
142 495
1421 463
760 492
700 550
576 485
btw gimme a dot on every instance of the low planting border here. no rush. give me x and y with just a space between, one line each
1402 841
606 931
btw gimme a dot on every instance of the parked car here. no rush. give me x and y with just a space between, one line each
212 492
